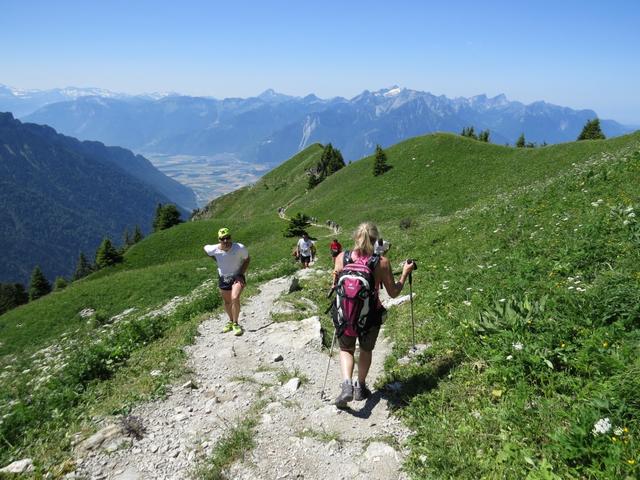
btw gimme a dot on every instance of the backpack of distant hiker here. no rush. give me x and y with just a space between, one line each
355 309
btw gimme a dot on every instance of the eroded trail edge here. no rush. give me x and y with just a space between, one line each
275 372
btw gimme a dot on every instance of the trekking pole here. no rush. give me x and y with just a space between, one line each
324 384
413 324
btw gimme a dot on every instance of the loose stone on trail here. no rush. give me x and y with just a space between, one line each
231 378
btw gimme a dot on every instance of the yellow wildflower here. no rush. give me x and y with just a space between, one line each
631 461
605 344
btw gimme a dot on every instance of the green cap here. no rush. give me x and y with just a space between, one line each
223 232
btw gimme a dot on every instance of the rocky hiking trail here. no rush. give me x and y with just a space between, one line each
275 372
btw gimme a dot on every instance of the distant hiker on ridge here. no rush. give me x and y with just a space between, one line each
359 314
233 261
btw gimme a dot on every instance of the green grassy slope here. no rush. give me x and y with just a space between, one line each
275 189
488 223
531 303
528 293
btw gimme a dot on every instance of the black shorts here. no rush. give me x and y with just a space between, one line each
304 259
334 253
367 342
226 282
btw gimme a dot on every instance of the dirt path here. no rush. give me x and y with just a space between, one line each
298 435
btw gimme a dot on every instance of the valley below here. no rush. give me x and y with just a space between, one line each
209 176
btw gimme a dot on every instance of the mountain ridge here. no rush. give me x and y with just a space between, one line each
271 127
61 196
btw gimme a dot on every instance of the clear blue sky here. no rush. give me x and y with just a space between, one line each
581 54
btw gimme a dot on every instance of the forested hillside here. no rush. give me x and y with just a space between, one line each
60 196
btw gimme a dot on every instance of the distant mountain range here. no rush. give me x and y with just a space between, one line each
60 196
272 127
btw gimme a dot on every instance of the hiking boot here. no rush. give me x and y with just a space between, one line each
237 330
228 327
346 394
360 391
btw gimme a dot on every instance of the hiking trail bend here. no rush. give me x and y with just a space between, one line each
298 435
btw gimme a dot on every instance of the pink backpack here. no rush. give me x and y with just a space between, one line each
356 306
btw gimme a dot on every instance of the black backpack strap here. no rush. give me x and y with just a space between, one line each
346 260
373 262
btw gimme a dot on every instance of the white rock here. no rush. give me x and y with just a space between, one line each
291 386
20 466
378 450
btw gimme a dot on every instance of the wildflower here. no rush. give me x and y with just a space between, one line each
469 289
601 426
502 300
632 215
467 303
517 346
631 461
605 344
562 345
618 431
509 357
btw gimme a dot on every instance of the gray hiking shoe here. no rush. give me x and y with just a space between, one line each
360 391
346 394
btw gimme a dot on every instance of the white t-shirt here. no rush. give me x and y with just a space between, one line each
305 247
229 262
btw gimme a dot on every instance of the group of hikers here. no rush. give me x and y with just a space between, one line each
357 311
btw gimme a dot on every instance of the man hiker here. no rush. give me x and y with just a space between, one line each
232 260
361 260
305 249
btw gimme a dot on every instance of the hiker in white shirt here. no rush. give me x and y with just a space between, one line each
232 260
305 249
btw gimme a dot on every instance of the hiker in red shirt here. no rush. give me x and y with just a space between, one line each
335 248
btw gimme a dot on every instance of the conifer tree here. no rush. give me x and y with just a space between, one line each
107 255
60 283
592 131
127 239
297 225
336 162
469 132
39 285
380 164
83 268
483 136
521 143
137 235
12 295
166 217
330 162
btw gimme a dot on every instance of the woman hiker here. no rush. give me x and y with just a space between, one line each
336 248
232 260
365 238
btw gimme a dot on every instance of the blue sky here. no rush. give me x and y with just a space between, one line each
581 54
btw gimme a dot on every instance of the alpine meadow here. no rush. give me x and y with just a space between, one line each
527 300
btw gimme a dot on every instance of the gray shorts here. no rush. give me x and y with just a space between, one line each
367 343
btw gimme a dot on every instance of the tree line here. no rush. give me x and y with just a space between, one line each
13 295
590 131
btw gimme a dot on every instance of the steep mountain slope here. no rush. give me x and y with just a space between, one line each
60 197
